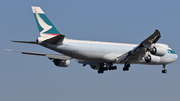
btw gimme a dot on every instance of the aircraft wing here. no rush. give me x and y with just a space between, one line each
140 51
50 56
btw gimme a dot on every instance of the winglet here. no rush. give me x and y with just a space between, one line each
153 38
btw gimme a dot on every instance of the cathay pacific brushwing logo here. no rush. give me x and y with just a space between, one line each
42 23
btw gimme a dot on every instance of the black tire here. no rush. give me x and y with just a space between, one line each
124 69
106 69
115 67
164 71
100 71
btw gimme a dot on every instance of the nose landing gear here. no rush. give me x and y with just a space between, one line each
164 70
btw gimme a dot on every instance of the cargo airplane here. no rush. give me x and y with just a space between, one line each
101 56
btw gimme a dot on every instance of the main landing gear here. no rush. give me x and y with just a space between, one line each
126 67
105 68
164 70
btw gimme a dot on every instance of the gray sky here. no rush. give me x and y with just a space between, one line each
34 78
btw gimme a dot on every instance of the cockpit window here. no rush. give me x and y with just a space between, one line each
171 51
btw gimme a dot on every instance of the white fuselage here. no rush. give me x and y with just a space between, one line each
105 51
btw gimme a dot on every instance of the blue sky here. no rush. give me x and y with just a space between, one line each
33 78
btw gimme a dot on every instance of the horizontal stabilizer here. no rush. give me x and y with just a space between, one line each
30 42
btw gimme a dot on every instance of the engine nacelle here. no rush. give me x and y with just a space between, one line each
152 59
158 51
61 63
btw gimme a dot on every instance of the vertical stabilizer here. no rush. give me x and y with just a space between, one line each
45 26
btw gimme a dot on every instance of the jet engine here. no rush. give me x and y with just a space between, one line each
158 51
152 59
61 63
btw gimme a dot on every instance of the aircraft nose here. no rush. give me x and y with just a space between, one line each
176 57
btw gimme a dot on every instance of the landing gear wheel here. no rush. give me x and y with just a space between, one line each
100 71
112 67
115 67
164 71
105 67
125 68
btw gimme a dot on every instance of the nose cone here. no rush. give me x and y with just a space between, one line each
176 57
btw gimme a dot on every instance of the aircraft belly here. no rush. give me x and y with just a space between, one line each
89 56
